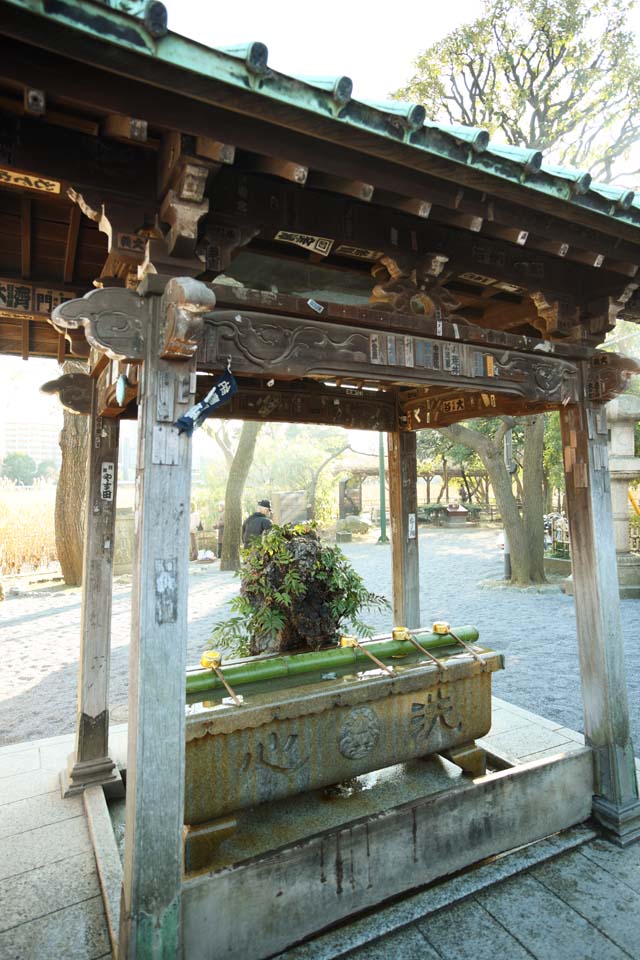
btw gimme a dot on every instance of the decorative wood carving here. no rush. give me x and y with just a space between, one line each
74 391
607 375
451 406
287 347
183 216
113 318
124 226
237 296
600 315
220 243
185 302
405 285
557 316
287 207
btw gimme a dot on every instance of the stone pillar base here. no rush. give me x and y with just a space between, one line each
621 822
84 773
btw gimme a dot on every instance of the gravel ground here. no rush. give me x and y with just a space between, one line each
460 574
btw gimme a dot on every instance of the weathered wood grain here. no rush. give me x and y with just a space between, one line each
151 911
91 762
403 510
604 694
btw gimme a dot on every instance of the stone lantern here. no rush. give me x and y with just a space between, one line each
622 415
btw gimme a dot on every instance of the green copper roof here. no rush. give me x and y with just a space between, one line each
247 67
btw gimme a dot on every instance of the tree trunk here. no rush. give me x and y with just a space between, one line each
316 477
491 453
501 481
71 492
533 500
238 473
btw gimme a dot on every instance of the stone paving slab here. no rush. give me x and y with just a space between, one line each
526 740
408 944
467 932
77 932
21 816
548 928
606 902
29 785
47 889
35 848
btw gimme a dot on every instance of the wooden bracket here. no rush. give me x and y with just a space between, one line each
183 216
113 318
74 391
220 243
557 316
607 375
185 302
124 226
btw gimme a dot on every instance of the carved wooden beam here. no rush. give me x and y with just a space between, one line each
307 402
113 318
73 390
453 406
286 347
266 302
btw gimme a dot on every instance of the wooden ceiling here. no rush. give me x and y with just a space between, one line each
494 251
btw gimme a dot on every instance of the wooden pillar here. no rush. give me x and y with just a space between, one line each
91 764
604 694
403 509
151 896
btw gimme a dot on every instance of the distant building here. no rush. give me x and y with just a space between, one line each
39 440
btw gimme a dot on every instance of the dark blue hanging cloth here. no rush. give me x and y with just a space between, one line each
224 387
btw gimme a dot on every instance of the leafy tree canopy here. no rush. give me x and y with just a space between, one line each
19 467
560 76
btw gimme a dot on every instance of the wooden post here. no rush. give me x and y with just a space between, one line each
91 763
604 694
151 896
403 509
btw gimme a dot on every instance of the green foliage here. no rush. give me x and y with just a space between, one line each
552 454
47 468
19 467
555 75
296 593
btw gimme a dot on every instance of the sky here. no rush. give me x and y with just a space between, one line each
373 43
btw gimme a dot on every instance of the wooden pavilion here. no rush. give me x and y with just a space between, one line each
168 210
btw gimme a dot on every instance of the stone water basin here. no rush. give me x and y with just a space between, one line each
320 719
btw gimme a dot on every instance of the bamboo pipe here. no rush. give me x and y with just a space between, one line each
270 668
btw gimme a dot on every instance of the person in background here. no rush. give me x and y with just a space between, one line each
194 526
256 524
220 527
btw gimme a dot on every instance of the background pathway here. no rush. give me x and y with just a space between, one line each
459 574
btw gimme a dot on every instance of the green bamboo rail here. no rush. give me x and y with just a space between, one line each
270 668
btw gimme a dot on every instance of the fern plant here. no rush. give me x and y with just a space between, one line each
296 594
